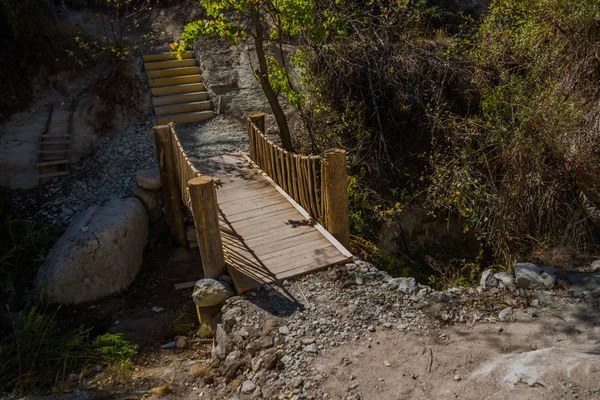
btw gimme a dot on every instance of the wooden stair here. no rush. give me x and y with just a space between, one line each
178 92
55 145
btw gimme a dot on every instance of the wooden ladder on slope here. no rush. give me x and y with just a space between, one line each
54 147
178 92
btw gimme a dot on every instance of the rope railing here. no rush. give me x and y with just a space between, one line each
184 169
298 175
182 183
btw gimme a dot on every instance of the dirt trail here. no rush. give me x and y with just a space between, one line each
553 356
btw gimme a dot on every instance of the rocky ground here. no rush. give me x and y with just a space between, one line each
353 332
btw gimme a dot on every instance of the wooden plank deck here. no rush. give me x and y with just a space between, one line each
267 237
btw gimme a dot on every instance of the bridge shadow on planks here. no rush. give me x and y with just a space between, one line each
265 237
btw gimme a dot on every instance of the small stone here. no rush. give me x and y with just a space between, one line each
506 315
405 285
457 378
210 292
286 359
284 330
247 387
311 348
527 275
180 342
506 280
73 378
360 280
370 328
353 386
387 363
531 276
488 280
157 309
595 266
149 179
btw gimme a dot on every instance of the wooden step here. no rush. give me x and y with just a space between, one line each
180 98
166 56
56 136
174 80
178 89
151 66
51 163
183 108
53 151
53 174
185 118
49 143
165 73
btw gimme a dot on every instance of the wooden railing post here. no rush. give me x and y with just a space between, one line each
336 195
259 120
206 220
171 194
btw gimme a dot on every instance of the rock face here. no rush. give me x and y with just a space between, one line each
100 253
210 292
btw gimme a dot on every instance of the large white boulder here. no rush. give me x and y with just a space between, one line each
100 253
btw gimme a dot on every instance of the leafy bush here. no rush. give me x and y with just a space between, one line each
496 123
518 169
41 353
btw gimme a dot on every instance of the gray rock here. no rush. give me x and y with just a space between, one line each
284 330
507 315
311 348
488 280
229 317
210 292
527 275
406 285
547 279
223 340
247 387
595 266
363 265
506 280
148 197
531 276
104 260
149 179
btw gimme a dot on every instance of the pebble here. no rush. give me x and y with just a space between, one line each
457 378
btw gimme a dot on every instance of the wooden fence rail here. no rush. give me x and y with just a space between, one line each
317 183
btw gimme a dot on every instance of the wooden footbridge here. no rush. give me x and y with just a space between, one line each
257 216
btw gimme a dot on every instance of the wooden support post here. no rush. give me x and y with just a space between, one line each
171 194
259 120
336 195
206 220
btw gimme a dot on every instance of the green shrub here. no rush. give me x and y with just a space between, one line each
40 353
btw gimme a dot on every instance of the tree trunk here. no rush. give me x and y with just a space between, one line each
263 77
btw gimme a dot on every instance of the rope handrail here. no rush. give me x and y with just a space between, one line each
184 168
298 175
